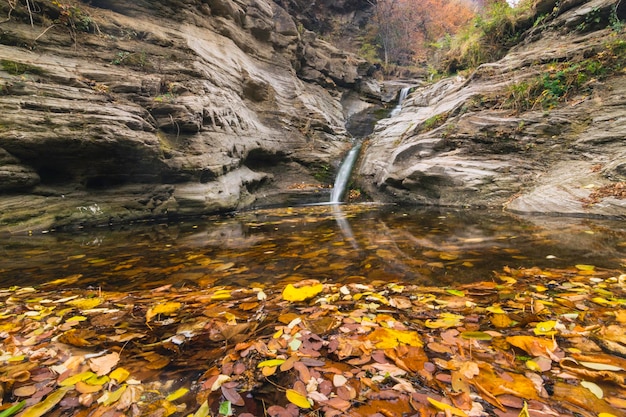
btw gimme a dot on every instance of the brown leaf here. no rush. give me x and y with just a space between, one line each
233 396
102 365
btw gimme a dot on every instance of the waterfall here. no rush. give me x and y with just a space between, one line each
341 182
403 95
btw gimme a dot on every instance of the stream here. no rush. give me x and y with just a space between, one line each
331 243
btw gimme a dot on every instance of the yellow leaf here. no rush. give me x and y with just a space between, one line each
385 338
76 318
177 394
119 374
86 303
168 308
582 267
97 380
476 335
445 321
496 309
501 320
84 388
203 411
72 380
533 366
109 397
545 328
443 407
291 293
524 412
271 362
298 399
46 405
221 295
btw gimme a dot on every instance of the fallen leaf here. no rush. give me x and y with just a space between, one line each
446 408
291 293
298 399
167 309
13 409
594 388
119 375
271 362
177 394
46 405
102 365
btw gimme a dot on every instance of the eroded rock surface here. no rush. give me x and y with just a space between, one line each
457 142
144 109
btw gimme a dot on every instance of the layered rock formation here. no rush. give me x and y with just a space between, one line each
113 110
463 141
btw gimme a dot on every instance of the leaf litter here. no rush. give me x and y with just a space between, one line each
523 343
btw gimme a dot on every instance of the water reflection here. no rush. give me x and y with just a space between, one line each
329 243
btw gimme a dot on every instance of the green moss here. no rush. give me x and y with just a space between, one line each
18 68
434 122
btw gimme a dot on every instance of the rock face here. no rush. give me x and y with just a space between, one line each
459 142
114 110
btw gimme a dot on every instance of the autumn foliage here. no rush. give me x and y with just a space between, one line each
404 28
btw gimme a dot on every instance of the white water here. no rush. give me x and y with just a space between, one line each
344 174
403 95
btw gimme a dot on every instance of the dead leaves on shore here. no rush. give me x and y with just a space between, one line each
526 343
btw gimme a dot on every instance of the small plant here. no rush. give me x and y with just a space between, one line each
561 80
73 17
120 58
615 23
434 122
131 59
592 19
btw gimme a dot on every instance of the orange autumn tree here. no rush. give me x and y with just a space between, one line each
404 28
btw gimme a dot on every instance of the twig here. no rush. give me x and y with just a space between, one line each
44 32
30 13
12 7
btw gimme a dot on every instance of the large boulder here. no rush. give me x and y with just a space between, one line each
162 108
463 142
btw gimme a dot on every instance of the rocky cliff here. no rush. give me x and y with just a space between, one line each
112 110
542 130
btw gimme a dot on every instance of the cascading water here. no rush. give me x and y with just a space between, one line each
343 175
345 170
403 95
